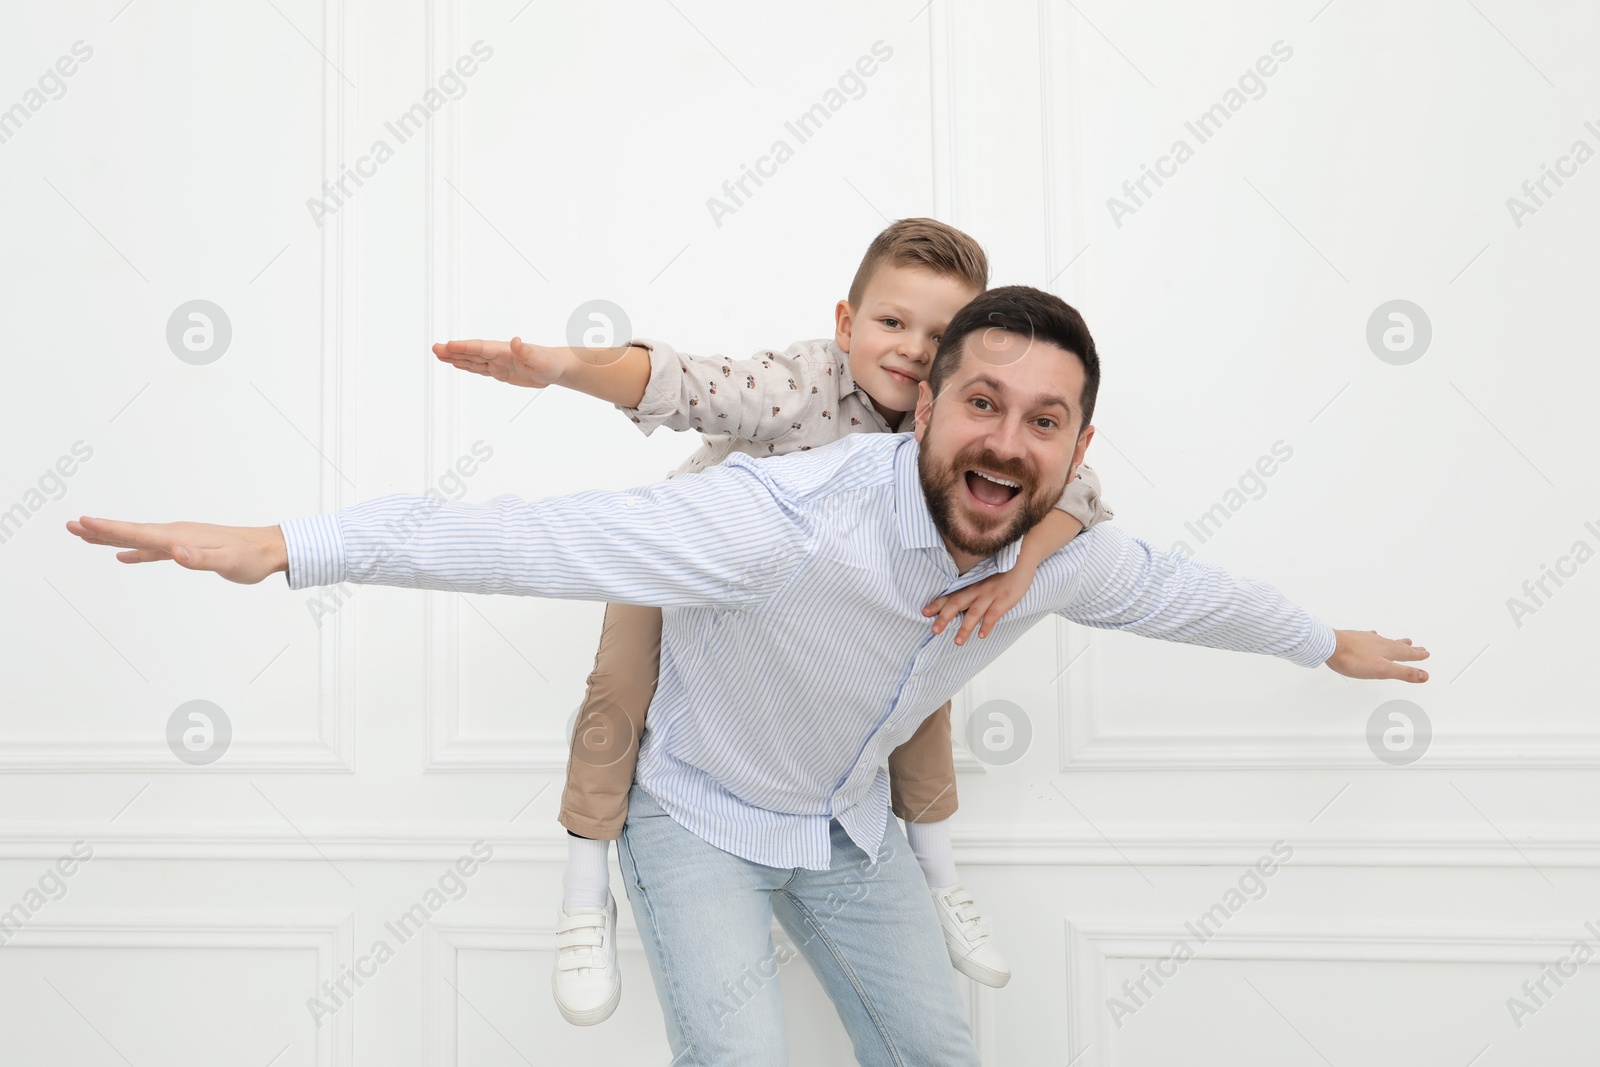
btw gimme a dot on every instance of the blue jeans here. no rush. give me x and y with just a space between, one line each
867 928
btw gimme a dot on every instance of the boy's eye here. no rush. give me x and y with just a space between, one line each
891 323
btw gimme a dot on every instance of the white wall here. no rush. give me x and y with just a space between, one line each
376 737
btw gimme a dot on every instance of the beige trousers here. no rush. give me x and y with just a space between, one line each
605 742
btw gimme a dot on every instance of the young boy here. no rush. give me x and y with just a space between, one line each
913 279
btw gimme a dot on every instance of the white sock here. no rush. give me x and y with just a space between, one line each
587 879
930 842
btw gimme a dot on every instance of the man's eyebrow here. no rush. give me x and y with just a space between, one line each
1043 400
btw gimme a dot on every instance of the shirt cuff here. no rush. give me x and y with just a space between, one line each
315 550
1317 647
661 391
1079 505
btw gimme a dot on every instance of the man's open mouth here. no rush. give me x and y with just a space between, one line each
991 491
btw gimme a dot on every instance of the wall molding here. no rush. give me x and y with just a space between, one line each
329 935
511 932
976 844
330 752
1091 943
1059 109
333 748
442 944
446 747
1086 745
1085 742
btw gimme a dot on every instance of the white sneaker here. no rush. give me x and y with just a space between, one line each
586 982
967 937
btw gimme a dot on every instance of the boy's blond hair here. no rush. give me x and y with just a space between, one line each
925 243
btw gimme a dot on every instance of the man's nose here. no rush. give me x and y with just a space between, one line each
1005 439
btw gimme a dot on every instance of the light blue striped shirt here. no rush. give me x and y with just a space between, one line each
794 653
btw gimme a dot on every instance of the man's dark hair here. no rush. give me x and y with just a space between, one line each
1027 312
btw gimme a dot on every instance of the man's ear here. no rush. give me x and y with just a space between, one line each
1083 446
924 408
841 325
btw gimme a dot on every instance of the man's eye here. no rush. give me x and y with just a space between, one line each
1047 423
980 400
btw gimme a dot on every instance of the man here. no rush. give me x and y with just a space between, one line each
795 656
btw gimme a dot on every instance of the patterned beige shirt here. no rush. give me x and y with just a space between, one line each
779 402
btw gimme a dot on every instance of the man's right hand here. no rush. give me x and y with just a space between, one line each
514 363
243 554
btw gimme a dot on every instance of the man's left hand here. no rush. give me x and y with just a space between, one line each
1366 654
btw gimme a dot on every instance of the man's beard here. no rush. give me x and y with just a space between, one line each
941 487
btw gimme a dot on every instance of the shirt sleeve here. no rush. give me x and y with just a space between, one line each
1082 499
727 537
1124 582
757 399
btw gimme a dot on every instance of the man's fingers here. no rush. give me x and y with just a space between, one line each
1403 649
1368 654
117 534
1407 674
149 542
196 559
77 529
143 555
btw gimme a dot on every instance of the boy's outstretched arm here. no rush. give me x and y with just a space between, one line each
757 399
985 603
615 375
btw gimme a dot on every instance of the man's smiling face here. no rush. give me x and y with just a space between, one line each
1000 441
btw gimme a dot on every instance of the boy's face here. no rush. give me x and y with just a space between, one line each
892 336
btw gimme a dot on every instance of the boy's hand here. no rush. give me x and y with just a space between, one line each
984 601
243 554
1364 654
514 363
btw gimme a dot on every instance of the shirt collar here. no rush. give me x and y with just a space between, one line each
914 519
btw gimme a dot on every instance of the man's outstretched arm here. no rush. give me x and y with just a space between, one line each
720 538
1122 582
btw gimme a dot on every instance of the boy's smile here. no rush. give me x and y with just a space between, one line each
892 337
